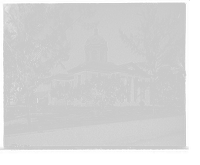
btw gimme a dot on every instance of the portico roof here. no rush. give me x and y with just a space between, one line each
109 68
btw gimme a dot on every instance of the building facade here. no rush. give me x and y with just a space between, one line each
96 64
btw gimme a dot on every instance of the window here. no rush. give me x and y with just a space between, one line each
79 79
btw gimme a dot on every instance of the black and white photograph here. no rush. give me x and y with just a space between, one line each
94 75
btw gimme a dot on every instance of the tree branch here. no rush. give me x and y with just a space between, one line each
57 36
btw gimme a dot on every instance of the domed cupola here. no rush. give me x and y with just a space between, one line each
96 48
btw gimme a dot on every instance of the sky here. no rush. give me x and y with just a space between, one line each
113 17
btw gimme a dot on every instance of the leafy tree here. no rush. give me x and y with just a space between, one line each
154 39
12 89
176 60
61 92
26 48
102 89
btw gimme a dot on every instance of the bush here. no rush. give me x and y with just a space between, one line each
170 103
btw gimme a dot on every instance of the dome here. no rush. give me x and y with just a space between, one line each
95 40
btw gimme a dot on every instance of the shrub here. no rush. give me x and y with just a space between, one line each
170 103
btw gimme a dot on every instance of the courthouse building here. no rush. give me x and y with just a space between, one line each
96 64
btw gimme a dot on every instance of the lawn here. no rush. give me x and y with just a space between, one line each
59 117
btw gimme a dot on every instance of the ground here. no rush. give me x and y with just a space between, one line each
169 141
60 117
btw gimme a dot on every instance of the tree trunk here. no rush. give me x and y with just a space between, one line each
28 108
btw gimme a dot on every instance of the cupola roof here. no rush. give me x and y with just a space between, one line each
96 39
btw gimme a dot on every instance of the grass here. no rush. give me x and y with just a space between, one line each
60 117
